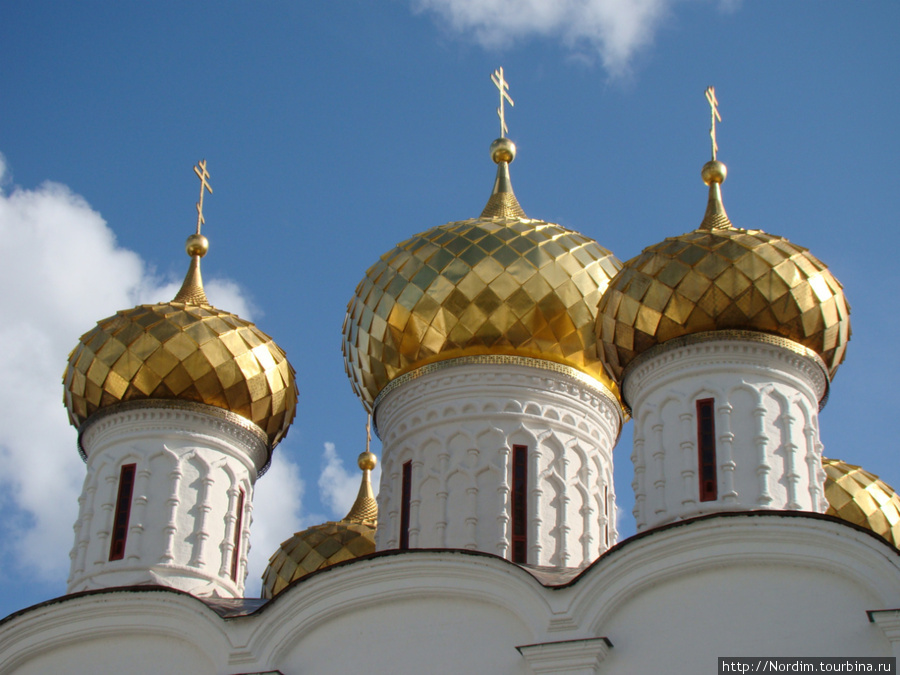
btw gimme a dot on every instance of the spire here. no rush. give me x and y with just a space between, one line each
365 508
197 246
502 203
713 173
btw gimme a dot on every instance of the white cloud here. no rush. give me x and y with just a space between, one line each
616 30
277 505
337 486
61 271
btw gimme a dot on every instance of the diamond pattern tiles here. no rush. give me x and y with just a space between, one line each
480 286
724 278
314 548
187 352
859 497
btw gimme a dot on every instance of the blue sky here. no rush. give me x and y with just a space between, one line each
334 130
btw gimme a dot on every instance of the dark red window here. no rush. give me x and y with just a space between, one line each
238 531
520 504
123 511
706 449
405 497
606 514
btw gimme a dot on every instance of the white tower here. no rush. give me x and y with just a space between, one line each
178 407
473 344
724 341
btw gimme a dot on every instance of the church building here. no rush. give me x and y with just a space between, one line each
499 358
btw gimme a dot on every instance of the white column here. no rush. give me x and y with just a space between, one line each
189 459
457 421
766 392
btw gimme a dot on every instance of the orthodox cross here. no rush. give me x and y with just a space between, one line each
368 432
714 109
202 174
502 85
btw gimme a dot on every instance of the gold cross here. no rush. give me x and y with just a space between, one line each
502 85
368 431
714 108
202 174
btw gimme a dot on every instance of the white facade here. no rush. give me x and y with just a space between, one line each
457 424
193 476
671 600
765 395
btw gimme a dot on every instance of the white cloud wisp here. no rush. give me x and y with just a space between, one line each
616 30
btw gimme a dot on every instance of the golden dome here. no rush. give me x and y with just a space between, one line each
859 497
500 284
327 544
184 350
720 277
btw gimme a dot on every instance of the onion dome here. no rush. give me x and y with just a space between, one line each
717 278
500 285
859 497
324 545
184 350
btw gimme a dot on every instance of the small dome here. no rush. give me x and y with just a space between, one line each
183 350
500 284
324 545
859 497
720 277
314 548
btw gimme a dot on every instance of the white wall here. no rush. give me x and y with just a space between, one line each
458 424
673 600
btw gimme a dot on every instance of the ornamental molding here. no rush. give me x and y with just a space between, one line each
509 380
888 620
176 417
499 360
731 348
566 656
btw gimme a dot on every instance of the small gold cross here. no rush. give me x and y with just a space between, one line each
502 85
202 174
714 108
368 432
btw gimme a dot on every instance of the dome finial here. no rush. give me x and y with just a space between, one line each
197 246
714 172
365 508
503 86
503 202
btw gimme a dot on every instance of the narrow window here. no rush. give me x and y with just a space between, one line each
606 513
706 449
123 511
405 497
520 504
238 531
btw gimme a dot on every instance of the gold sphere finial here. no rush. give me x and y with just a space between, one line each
367 461
197 245
713 172
503 150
